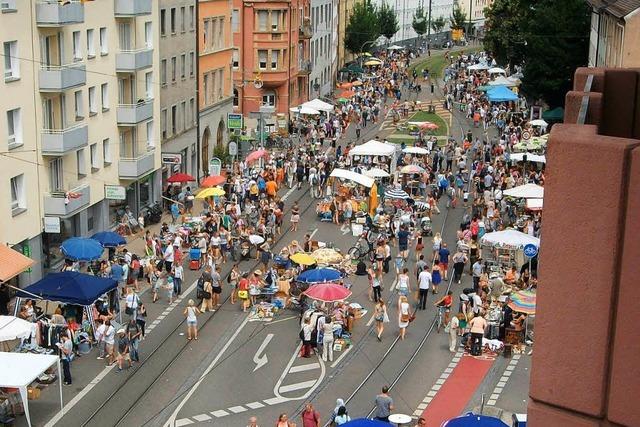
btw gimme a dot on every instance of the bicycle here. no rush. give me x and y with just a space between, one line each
364 247
440 317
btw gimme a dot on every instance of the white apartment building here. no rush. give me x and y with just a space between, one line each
323 47
474 11
406 9
79 120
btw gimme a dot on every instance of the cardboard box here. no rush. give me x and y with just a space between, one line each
33 393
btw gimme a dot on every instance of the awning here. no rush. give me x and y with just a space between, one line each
12 263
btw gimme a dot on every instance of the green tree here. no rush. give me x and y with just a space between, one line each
506 21
458 19
387 21
438 24
362 28
419 23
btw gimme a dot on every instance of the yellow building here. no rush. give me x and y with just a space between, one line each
615 34
345 7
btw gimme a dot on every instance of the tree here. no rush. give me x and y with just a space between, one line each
438 24
419 23
387 21
362 28
505 22
458 19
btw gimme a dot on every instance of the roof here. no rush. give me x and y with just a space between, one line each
21 369
12 263
617 8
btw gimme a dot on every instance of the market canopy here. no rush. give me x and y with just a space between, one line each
539 122
376 173
555 115
497 70
536 158
318 104
352 176
213 180
523 302
502 81
373 148
479 66
328 292
526 191
302 109
109 239
13 328
69 287
319 275
509 238
501 94
12 263
474 420
395 47
534 204
181 177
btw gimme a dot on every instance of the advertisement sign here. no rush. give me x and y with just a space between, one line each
172 158
115 192
215 166
26 251
234 121
233 148
51 224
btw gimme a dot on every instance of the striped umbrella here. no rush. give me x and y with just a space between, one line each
523 302
395 193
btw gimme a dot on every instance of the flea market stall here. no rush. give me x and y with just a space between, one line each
506 248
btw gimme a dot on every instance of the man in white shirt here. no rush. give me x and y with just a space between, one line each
424 283
168 257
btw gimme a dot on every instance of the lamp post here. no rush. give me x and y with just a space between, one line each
363 49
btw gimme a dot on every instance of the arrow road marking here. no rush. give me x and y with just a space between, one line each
260 361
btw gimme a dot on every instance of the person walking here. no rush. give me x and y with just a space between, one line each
234 279
283 421
109 342
178 276
376 284
295 215
443 257
191 312
131 303
436 276
404 316
310 417
424 282
459 259
133 335
207 294
476 269
216 287
305 335
477 325
384 405
380 315
99 337
327 339
123 350
141 319
454 325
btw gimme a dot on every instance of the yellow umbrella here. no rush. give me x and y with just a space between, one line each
373 199
210 192
366 54
303 259
356 83
373 62
327 256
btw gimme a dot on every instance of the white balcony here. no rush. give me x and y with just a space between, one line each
57 142
8 6
133 168
130 61
125 8
132 114
53 13
67 203
54 78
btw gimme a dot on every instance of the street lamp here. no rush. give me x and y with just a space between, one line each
363 49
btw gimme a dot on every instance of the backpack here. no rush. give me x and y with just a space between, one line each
313 180
200 288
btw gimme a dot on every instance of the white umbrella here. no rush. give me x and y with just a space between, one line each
497 70
416 150
477 67
502 81
318 104
395 47
539 122
512 238
254 239
302 109
352 176
376 173
12 328
527 191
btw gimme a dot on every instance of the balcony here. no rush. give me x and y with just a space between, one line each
126 8
57 142
129 168
65 204
130 61
132 114
52 13
305 31
8 6
304 68
55 78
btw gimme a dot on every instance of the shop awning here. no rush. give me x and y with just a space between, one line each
12 263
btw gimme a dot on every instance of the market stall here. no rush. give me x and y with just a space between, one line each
382 155
505 248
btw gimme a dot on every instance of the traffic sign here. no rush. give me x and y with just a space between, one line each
526 135
172 158
530 250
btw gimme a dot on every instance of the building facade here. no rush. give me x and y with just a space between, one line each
406 9
474 11
615 32
322 47
80 121
178 108
345 9
215 98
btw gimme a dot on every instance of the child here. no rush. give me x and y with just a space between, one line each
168 286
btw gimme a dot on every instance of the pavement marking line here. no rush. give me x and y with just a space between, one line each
219 413
302 368
183 422
276 400
288 193
282 320
297 386
255 405
172 418
237 409
504 378
344 353
259 360
78 397
201 417
294 356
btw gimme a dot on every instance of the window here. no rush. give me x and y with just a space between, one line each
236 59
55 175
77 49
275 20
220 73
183 66
235 97
18 195
150 143
93 104
205 33
174 119
192 18
192 63
81 162
192 110
104 46
93 153
11 62
173 20
163 123
148 85
14 128
213 43
173 69
274 59
262 59
269 99
163 24
220 40
183 19
185 116
235 20
104 91
91 49
205 86
79 108
163 72
106 151
148 34
262 20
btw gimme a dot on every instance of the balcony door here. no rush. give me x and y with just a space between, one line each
124 35
51 50
126 90
55 175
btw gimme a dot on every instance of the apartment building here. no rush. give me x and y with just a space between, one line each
345 8
79 119
178 107
615 32
474 11
217 58
322 47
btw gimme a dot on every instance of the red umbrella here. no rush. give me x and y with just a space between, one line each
347 94
252 157
213 180
181 177
328 292
429 126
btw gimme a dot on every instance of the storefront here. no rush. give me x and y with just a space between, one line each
140 194
53 257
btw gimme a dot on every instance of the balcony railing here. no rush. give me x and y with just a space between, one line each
7 6
57 142
124 8
54 13
58 78
130 61
61 203
304 67
305 31
133 168
132 114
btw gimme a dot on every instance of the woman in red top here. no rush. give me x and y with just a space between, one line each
243 291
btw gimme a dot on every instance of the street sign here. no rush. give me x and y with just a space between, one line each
51 224
215 166
233 148
234 121
526 135
530 250
172 158
115 192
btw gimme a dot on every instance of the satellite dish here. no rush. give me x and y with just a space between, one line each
257 83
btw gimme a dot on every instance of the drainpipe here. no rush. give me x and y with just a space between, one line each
198 142
289 57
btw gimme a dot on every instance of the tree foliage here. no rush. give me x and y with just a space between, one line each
387 20
419 23
362 28
458 19
505 20
438 24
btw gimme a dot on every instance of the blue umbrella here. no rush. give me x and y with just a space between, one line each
474 420
318 275
364 422
82 249
109 239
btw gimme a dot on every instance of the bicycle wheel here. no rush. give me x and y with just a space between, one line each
354 253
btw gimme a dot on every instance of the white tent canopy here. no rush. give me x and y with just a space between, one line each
302 109
502 81
526 191
479 66
376 173
539 122
395 47
12 328
416 150
497 70
510 238
352 176
21 369
534 204
519 157
373 148
318 104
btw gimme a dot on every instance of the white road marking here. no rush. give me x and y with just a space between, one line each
220 413
504 378
288 193
276 400
80 396
255 405
237 409
260 361
297 386
344 353
184 422
201 418
172 418
303 368
294 356
438 385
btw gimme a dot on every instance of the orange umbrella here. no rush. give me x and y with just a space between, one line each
345 85
347 94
